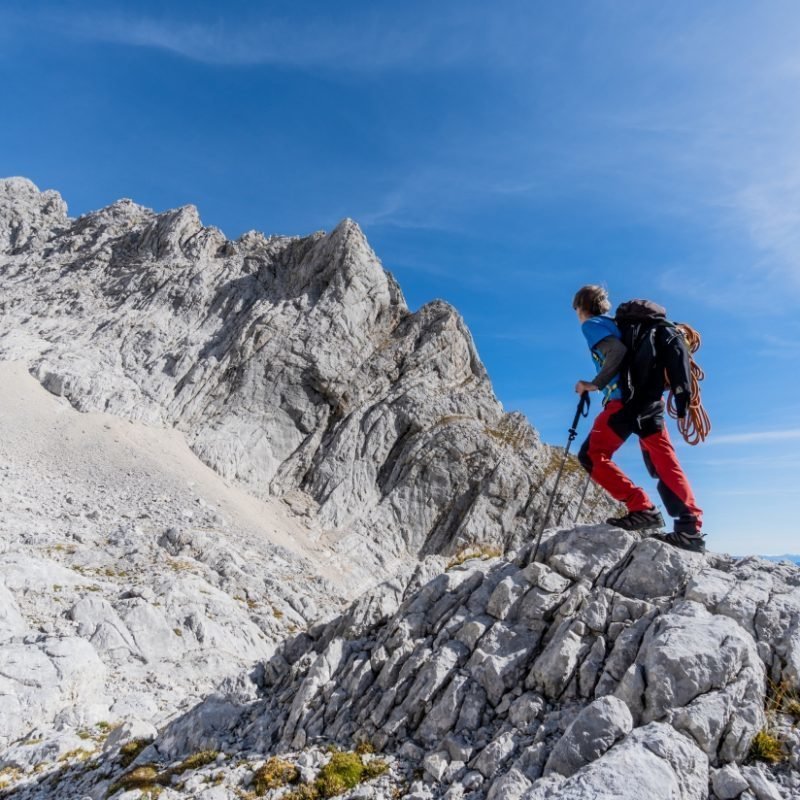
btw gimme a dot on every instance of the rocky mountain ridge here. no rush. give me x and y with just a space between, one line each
293 366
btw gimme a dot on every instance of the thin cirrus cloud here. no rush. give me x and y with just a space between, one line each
355 44
757 437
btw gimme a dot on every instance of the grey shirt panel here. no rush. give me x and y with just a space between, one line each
613 351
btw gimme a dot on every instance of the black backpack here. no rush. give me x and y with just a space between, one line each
657 355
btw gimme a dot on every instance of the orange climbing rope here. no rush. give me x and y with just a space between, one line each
696 425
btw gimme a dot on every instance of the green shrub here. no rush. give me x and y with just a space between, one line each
374 768
148 777
344 771
482 551
275 773
143 777
766 747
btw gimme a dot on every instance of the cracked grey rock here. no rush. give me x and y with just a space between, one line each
654 761
760 784
51 678
499 657
596 729
728 782
495 754
703 674
510 786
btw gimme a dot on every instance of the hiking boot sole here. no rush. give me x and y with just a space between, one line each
689 544
644 525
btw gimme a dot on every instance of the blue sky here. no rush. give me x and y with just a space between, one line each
497 156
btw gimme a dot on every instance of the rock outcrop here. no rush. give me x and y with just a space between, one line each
564 667
537 680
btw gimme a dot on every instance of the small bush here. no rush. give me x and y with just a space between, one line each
365 748
275 773
342 772
78 753
148 777
143 777
792 708
783 698
375 768
766 747
9 775
508 434
304 792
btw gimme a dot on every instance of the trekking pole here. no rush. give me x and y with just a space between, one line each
583 497
582 411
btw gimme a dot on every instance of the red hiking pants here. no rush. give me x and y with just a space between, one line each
613 425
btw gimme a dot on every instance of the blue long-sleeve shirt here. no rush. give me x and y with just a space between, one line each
605 344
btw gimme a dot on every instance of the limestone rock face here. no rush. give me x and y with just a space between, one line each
293 365
597 728
704 675
654 762
45 678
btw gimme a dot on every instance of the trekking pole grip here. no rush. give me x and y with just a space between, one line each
584 404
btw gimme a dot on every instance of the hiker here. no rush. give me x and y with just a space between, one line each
641 412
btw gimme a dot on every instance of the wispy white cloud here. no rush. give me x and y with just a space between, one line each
778 347
362 40
273 42
757 437
697 136
780 464
754 492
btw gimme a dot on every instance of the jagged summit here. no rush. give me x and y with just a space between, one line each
27 215
293 365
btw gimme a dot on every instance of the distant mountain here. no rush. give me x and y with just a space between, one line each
794 558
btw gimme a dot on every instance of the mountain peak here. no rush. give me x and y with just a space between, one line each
28 216
293 365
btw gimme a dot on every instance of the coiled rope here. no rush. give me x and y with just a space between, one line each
696 425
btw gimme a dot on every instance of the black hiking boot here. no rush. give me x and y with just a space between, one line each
686 541
638 520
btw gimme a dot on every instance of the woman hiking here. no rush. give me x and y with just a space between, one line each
619 419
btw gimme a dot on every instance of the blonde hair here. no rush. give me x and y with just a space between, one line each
592 300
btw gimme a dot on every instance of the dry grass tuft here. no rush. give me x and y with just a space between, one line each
766 747
276 773
480 551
